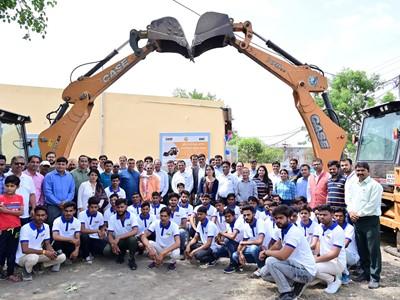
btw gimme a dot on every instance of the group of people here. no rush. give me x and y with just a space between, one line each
299 225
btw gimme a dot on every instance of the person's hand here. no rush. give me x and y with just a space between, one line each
187 253
152 253
51 254
61 205
262 255
159 259
242 259
115 249
353 216
76 242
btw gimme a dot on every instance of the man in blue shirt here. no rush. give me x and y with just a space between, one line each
58 187
105 177
130 180
302 182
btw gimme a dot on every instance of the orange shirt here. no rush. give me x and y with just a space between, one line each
148 185
12 202
318 188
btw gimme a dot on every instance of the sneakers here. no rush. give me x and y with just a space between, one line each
120 259
132 264
26 276
373 284
152 265
209 264
172 267
345 279
287 296
361 277
334 286
56 268
298 288
230 269
256 274
89 260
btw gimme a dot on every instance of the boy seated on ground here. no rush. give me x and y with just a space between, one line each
34 245
93 231
179 217
352 256
253 238
122 229
290 262
66 232
202 246
167 241
331 259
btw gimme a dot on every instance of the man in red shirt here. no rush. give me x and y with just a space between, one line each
11 208
318 184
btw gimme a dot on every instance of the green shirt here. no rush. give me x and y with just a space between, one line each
79 177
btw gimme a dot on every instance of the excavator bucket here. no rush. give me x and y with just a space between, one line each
213 30
167 33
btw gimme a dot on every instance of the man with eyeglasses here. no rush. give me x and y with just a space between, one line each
26 187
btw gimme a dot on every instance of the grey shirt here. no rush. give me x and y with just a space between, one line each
245 189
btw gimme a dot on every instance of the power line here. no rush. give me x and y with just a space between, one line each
387 62
188 8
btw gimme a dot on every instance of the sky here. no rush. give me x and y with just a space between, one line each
332 34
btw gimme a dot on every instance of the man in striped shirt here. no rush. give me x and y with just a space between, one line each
335 185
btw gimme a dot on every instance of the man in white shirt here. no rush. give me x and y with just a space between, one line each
122 228
156 206
352 256
92 231
290 261
253 238
331 261
167 241
163 176
34 245
26 187
202 246
66 232
182 176
114 188
211 211
179 217
227 182
275 176
363 198
253 168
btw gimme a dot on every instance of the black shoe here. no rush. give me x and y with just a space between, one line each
362 277
298 288
132 264
120 259
287 296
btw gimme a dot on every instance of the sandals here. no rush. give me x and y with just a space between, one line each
14 278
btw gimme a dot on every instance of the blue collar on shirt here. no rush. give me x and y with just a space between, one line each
137 207
285 230
220 216
91 216
334 224
267 213
39 230
144 219
204 224
127 216
232 225
344 225
115 191
112 210
208 206
173 212
187 205
164 227
65 221
306 225
155 208
252 226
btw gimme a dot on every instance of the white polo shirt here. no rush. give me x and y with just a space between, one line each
144 222
238 226
236 209
350 235
91 222
309 230
155 210
120 192
119 227
270 231
188 207
262 215
165 235
67 228
211 211
33 236
207 230
135 210
292 236
253 230
332 236
108 213
221 223
178 215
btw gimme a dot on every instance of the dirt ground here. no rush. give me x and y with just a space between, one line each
105 279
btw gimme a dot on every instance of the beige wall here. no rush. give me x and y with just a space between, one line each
131 124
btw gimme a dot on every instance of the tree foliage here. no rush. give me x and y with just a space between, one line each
30 15
182 93
351 92
254 148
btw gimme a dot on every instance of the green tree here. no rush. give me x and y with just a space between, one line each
182 93
30 15
253 148
389 97
351 92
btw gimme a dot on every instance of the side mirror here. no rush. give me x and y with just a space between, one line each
213 30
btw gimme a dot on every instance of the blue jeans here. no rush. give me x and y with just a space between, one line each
251 254
183 235
227 250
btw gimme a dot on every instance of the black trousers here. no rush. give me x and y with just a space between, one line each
203 256
8 248
66 247
91 245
